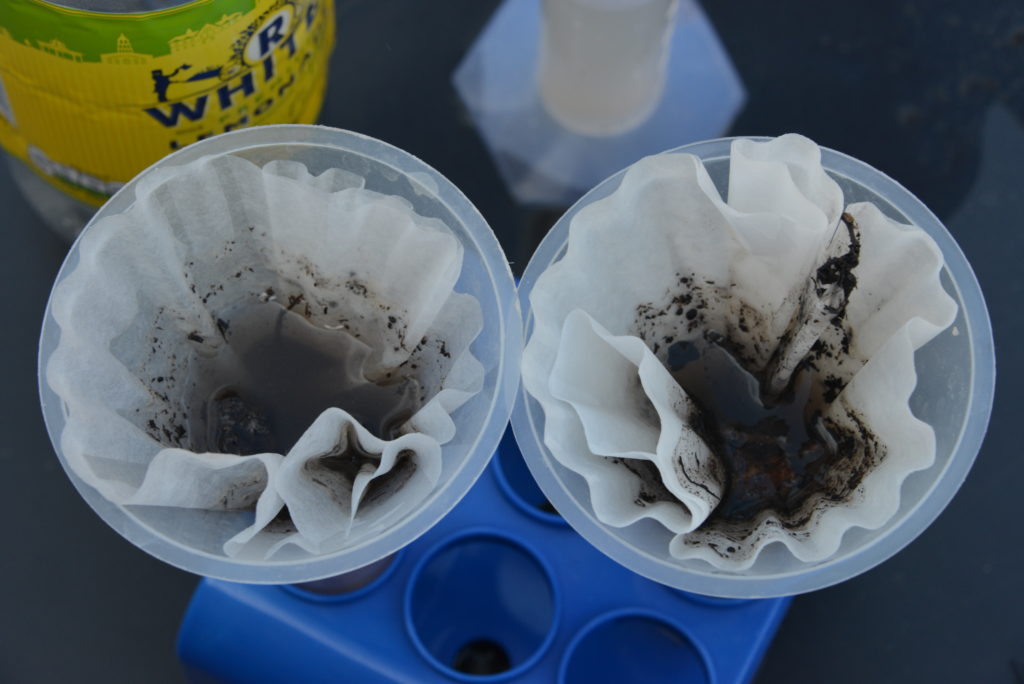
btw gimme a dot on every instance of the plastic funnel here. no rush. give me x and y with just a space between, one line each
165 533
956 380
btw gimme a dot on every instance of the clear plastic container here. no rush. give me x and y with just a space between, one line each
164 533
603 62
956 380
64 214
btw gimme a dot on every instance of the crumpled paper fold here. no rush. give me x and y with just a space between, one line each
664 259
149 307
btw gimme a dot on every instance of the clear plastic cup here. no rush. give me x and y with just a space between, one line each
603 62
480 421
956 381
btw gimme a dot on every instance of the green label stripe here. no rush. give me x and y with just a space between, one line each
84 36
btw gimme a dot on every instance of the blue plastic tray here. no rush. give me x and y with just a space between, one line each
499 591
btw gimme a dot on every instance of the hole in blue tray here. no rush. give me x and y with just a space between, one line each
481 657
348 586
633 646
481 606
517 482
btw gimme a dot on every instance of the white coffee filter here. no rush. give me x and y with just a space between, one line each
664 259
150 302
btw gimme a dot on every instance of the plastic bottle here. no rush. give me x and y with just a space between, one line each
94 91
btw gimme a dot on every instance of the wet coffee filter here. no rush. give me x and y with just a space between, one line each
280 348
737 370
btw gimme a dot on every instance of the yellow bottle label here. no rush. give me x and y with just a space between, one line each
89 99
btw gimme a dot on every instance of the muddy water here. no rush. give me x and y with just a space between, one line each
276 373
776 455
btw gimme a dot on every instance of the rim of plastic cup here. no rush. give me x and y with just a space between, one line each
444 498
548 473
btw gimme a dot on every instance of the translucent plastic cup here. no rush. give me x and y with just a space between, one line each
956 380
603 62
165 533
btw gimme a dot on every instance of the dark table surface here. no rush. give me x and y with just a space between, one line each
930 92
